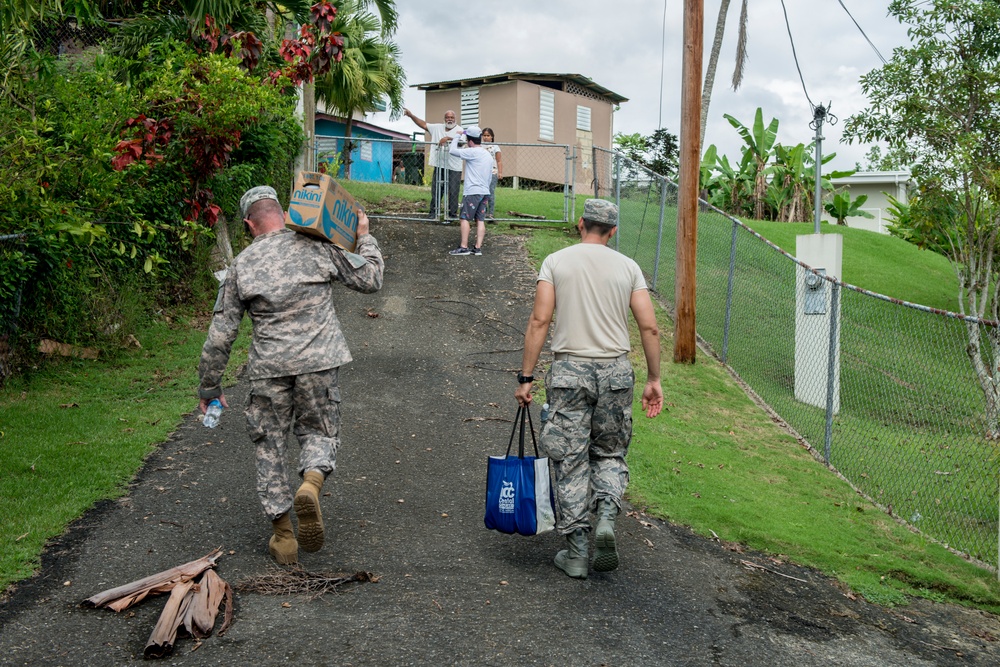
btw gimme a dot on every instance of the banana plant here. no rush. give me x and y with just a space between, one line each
760 141
841 206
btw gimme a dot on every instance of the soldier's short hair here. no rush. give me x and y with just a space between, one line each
254 195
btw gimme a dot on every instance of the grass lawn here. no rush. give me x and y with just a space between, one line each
77 431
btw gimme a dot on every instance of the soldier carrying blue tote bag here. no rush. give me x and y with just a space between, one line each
518 490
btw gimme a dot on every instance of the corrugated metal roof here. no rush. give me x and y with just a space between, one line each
393 134
578 79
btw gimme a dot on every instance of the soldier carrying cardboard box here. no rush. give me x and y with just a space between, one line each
284 280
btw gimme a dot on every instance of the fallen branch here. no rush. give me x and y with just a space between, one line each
518 214
761 567
46 346
123 597
297 581
515 225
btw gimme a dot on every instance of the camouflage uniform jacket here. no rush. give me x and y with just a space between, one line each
285 280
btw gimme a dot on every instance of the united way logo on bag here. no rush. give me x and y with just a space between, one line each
506 503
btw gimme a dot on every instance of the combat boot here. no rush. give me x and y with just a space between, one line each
573 561
308 512
283 547
605 552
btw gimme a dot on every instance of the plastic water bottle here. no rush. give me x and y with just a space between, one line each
213 413
545 413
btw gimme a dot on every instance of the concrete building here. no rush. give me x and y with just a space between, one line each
532 108
878 185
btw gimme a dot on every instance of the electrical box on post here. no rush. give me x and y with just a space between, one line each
815 295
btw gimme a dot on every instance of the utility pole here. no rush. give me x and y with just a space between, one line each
687 195
819 115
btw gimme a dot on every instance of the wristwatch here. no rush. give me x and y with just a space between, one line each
522 379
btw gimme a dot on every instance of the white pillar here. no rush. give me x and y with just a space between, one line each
812 319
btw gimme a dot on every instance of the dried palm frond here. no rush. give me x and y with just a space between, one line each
123 597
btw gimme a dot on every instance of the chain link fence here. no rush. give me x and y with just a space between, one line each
882 390
66 37
537 180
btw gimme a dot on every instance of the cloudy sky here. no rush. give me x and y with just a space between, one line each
620 45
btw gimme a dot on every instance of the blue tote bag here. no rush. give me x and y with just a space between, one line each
518 488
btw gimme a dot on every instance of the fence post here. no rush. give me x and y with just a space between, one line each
444 199
618 194
597 178
831 367
729 294
659 233
567 187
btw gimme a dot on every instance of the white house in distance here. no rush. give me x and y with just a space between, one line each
878 185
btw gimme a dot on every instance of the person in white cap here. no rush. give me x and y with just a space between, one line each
476 197
283 280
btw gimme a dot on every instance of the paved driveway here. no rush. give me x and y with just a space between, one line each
427 398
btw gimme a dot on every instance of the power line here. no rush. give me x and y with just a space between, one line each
863 33
795 57
663 49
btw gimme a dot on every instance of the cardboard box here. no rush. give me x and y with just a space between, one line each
321 207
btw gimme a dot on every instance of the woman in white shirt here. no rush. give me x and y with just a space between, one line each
494 152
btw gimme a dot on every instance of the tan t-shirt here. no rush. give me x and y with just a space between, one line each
593 286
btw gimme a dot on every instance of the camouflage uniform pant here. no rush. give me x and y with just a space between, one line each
313 401
587 435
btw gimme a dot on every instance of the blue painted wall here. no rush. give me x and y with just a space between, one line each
371 162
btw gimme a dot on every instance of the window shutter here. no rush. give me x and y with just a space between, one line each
546 115
583 118
470 107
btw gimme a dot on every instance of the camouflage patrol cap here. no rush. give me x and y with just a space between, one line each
255 195
600 211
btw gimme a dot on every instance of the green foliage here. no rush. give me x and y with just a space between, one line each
101 247
203 105
58 190
658 151
841 206
771 181
632 146
876 160
937 105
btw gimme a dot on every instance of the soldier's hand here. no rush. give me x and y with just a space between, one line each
203 403
652 398
363 223
523 394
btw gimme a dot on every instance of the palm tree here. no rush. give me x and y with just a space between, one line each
368 73
713 59
388 17
184 19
